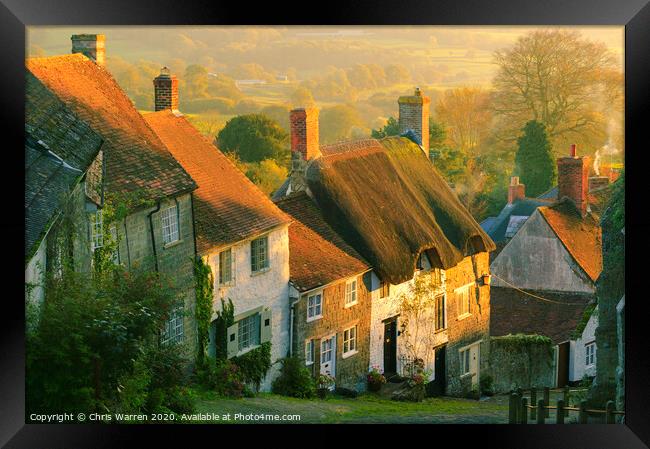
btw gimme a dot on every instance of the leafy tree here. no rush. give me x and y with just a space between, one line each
534 159
302 98
397 73
337 123
437 134
558 79
253 138
279 114
267 175
196 82
391 128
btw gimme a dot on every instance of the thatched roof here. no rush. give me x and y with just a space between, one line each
388 201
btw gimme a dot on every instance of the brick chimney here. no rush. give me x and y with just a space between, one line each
572 179
91 45
516 191
304 133
414 114
165 91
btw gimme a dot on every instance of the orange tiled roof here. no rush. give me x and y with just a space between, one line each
317 254
136 159
228 207
581 237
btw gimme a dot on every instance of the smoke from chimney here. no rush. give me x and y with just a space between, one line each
597 163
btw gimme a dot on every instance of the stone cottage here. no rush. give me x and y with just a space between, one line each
140 173
385 199
330 297
63 182
240 233
555 255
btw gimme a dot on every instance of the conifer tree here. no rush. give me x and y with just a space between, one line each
534 159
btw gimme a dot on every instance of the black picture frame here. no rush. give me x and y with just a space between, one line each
634 14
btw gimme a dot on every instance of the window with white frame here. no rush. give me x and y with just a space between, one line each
590 353
350 341
314 306
249 332
173 330
309 352
225 267
169 220
441 319
464 298
96 230
260 254
464 361
326 350
351 292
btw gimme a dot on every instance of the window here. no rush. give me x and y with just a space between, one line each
440 312
384 289
169 219
309 352
314 306
260 254
326 350
173 330
464 295
96 230
351 293
225 267
350 341
249 332
590 353
464 361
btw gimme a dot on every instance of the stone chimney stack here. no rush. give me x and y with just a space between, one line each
304 133
414 114
572 179
165 91
516 191
91 45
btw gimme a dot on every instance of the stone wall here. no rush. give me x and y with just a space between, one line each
515 364
464 330
135 248
350 372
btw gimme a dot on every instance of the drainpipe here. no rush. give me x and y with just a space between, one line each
291 330
196 253
126 237
153 237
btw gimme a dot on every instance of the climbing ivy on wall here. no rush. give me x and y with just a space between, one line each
225 319
204 287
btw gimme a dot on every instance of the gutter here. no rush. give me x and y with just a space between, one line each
153 237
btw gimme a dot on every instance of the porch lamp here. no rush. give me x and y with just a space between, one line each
487 278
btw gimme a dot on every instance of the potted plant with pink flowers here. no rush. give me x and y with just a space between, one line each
375 379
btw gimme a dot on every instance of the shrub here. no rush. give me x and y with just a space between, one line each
222 376
486 384
295 380
254 365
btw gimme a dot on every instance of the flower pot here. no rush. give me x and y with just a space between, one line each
374 386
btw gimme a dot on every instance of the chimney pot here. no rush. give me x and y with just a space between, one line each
514 180
516 191
573 152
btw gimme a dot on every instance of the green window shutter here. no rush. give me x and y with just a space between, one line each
232 343
266 323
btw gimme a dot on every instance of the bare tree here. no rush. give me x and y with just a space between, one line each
558 79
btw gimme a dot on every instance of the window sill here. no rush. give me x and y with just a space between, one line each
226 285
463 316
345 355
347 306
260 272
465 375
309 363
172 244
244 351
314 318
438 331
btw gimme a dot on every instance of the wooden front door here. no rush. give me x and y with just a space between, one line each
563 364
390 347
438 385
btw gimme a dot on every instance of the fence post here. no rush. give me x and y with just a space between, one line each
566 396
524 413
547 401
512 410
559 418
540 411
582 417
533 401
609 412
